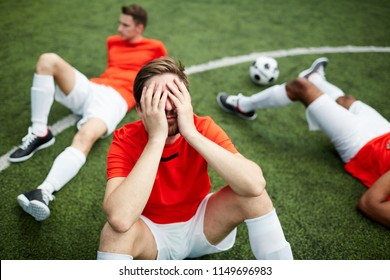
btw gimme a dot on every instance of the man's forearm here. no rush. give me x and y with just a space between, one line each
126 203
244 176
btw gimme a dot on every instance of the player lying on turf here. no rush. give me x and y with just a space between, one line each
102 102
158 202
359 133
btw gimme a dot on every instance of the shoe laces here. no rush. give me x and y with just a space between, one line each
233 100
28 139
47 197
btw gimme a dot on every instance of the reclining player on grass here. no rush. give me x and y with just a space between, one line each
359 133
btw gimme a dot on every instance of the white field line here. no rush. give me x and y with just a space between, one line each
70 120
229 61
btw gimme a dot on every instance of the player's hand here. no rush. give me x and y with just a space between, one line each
152 113
181 98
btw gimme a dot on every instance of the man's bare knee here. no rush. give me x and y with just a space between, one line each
138 241
303 90
84 140
298 84
88 134
46 63
251 207
346 101
114 241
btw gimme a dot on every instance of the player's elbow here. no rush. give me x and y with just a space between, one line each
258 184
259 187
375 209
366 203
254 187
119 224
118 221
363 204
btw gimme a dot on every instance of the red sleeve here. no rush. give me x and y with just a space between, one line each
215 133
118 160
126 147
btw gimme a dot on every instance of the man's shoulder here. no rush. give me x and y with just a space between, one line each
202 119
205 123
130 131
149 42
114 38
152 41
136 125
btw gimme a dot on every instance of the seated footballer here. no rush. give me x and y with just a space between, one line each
158 200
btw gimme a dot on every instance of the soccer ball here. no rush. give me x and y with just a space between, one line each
264 70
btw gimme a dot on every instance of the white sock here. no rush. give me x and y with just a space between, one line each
112 256
272 97
42 97
333 91
267 239
65 167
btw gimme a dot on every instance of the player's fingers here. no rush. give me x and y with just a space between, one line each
181 86
182 89
149 94
174 99
175 91
157 96
163 100
143 96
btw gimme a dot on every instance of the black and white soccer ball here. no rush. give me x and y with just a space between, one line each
264 70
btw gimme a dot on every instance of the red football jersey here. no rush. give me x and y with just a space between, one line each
182 179
124 60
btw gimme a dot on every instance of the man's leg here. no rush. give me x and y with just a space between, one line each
225 210
50 68
302 90
316 74
273 97
340 125
245 106
105 110
328 88
82 143
65 167
69 162
138 243
278 95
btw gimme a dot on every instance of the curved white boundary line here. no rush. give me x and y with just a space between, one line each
70 120
229 61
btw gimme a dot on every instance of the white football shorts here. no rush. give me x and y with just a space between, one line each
183 240
348 130
89 100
